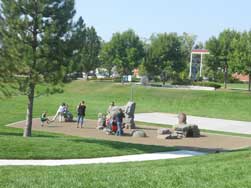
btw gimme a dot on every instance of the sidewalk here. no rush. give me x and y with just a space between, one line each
213 124
118 159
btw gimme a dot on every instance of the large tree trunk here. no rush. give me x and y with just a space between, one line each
31 88
249 82
28 125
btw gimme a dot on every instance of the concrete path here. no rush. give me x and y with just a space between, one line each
242 127
118 159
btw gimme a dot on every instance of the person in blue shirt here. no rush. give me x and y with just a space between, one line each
119 119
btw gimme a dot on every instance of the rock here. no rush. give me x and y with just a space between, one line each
138 133
108 133
163 131
173 135
107 130
129 115
188 130
196 130
182 118
144 80
163 136
100 127
101 120
129 110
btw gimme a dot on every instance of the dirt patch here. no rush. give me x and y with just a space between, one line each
207 142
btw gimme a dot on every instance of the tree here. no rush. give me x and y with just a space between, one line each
88 45
125 51
188 42
107 56
165 56
221 50
241 57
91 52
35 35
213 60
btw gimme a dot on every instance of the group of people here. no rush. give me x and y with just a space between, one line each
63 114
114 120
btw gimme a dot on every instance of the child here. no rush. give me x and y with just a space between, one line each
44 118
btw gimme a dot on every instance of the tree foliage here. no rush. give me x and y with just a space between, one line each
125 51
166 56
87 44
221 51
35 37
240 61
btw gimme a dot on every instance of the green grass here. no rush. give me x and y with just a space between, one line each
59 147
224 170
236 86
219 104
98 95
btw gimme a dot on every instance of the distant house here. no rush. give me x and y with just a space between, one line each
136 73
241 77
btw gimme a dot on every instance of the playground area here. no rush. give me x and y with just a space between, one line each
206 142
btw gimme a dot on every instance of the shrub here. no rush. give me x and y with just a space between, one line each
156 79
105 79
117 79
207 84
134 79
156 85
182 82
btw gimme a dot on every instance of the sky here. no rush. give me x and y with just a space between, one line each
204 18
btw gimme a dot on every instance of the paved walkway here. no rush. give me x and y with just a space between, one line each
118 159
242 127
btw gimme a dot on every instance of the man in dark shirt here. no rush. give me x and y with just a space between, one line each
81 113
119 119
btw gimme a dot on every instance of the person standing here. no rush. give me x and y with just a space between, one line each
119 119
81 114
60 113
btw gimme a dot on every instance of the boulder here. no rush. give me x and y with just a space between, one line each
173 135
128 109
188 130
100 127
144 80
162 136
163 131
129 115
138 133
182 118
101 120
107 130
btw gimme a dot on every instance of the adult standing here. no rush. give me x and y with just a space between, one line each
60 113
119 119
81 114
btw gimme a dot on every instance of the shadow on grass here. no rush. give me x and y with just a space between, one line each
10 134
124 145
35 135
